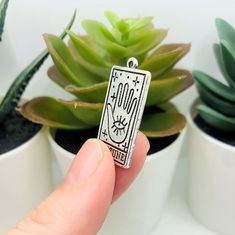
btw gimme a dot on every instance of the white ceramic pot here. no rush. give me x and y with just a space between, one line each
138 210
25 179
211 179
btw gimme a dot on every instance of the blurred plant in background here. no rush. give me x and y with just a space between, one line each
82 68
218 109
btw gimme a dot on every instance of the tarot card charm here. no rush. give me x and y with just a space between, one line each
123 109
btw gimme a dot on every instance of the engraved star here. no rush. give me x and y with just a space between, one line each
105 133
125 147
136 81
113 97
114 76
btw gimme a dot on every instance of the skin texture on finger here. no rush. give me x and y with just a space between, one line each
80 205
124 177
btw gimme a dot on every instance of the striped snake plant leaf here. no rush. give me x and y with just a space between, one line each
3 11
13 95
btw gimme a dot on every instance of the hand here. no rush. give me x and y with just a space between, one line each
121 113
80 204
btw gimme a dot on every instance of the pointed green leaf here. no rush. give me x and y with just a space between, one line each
66 64
162 90
162 124
140 23
88 57
164 58
216 102
215 86
112 18
57 77
89 113
137 38
123 26
216 119
220 62
48 111
86 52
174 73
116 51
149 40
3 10
94 94
226 31
229 59
98 32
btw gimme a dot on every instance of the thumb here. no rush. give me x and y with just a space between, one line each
80 204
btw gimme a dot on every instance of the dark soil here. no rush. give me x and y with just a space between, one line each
72 141
225 137
15 131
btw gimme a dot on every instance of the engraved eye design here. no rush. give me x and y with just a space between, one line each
119 126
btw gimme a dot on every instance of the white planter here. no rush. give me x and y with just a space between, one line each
211 180
25 179
138 210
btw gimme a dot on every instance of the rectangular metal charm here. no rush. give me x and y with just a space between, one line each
122 113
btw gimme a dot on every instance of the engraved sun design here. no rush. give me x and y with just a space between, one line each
119 125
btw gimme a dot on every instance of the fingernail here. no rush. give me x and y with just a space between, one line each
146 142
86 162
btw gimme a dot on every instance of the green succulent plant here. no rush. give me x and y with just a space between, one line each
218 109
82 68
3 10
14 93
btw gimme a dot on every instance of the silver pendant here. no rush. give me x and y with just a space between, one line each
123 109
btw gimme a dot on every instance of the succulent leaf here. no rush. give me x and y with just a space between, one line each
66 63
137 38
48 111
3 10
174 73
220 62
88 57
216 102
148 41
117 52
216 119
213 85
98 32
89 113
112 18
225 31
229 58
55 75
162 90
164 58
162 124
94 94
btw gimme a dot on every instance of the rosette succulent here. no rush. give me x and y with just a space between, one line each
82 68
218 108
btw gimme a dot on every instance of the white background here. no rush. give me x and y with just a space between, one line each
187 21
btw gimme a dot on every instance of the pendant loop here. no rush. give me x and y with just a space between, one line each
132 63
